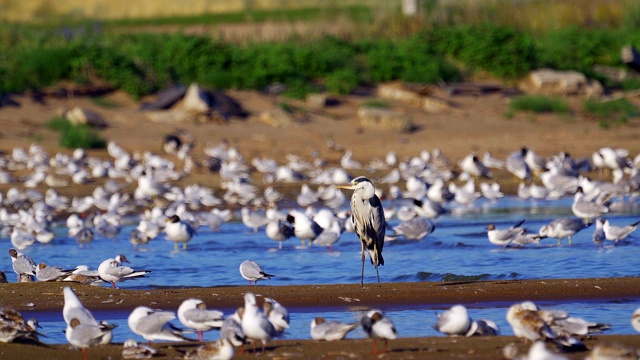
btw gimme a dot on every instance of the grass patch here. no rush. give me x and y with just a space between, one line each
611 113
103 102
539 104
376 103
59 124
76 136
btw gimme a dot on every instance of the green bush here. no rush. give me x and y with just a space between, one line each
538 104
81 136
59 124
76 136
342 81
501 51
579 49
617 109
143 63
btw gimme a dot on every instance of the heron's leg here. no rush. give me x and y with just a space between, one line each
377 273
362 275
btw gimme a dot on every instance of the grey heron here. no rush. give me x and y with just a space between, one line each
368 218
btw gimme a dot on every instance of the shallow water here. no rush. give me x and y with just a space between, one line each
410 322
457 250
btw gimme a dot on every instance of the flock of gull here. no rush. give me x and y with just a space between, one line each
249 325
141 184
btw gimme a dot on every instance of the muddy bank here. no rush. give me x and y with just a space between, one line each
48 296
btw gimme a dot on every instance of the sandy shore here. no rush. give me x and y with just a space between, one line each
48 297
471 124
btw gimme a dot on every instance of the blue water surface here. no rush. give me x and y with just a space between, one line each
457 250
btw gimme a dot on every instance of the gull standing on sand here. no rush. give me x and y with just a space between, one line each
250 270
517 165
473 166
255 324
455 321
112 271
377 326
618 233
503 237
178 231
193 314
330 330
23 265
84 335
50 273
368 218
154 325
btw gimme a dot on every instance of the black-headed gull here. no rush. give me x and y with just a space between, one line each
85 336
503 237
112 271
193 313
377 326
178 231
255 324
277 314
455 321
250 270
154 325
330 330
23 265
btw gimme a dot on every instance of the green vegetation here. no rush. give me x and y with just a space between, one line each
616 112
76 136
538 104
450 41
375 103
103 102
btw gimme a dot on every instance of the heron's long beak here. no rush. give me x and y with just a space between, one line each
344 186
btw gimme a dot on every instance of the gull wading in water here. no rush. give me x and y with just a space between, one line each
455 321
503 237
378 327
255 324
330 330
193 313
154 325
250 270
368 218
178 231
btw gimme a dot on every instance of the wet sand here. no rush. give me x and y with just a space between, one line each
48 297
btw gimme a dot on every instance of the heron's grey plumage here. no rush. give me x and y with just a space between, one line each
368 218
